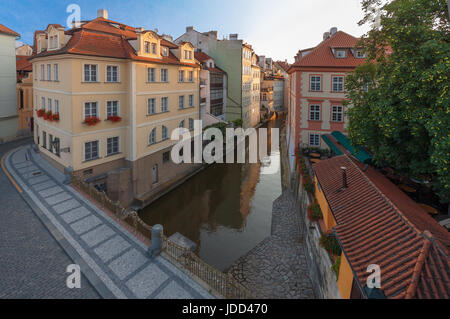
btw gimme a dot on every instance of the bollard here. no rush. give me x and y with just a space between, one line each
155 248
67 172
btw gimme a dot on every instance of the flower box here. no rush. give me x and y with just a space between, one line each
90 121
114 118
54 117
40 112
47 115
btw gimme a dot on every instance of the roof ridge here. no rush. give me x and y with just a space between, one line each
412 288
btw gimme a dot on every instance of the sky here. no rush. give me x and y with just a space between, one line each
276 29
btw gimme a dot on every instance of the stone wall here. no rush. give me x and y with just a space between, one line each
323 277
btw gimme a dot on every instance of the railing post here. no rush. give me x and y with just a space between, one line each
156 245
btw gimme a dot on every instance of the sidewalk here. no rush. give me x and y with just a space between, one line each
112 259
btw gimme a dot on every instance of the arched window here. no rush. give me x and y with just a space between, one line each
152 137
191 124
164 133
182 123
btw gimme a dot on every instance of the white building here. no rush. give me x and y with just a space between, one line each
8 93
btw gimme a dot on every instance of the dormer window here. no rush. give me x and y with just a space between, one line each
340 54
165 51
153 48
359 54
147 47
187 55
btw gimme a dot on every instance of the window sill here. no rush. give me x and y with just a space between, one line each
113 154
153 114
315 121
159 142
91 160
315 91
186 108
154 82
112 82
88 82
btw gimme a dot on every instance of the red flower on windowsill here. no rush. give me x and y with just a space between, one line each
93 120
54 117
40 112
47 115
114 118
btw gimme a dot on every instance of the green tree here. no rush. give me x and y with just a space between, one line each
400 96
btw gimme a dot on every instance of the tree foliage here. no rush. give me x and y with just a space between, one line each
400 96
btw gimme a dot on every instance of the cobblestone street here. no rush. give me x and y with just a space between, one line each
277 268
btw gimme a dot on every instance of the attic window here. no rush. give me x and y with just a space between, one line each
340 54
360 54
165 51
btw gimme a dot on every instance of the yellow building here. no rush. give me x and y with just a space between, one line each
118 93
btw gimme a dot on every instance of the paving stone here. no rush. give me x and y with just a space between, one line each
50 191
111 248
85 224
27 168
147 281
55 199
75 214
66 206
126 264
97 235
23 164
38 179
44 185
174 291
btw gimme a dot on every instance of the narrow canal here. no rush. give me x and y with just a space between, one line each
225 209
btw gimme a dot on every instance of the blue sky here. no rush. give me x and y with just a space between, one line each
274 28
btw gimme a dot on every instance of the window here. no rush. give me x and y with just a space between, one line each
181 124
112 73
360 54
55 72
164 75
49 72
151 106
338 84
112 108
191 124
50 105
165 133
191 76
314 139
316 83
151 74
341 54
42 102
112 145
165 51
314 112
90 109
337 113
191 100
166 157
50 143
152 137
164 104
181 76
90 150
57 106
56 145
42 72
181 102
154 48
155 173
147 47
90 73
44 139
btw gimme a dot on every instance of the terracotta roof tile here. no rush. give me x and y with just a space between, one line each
22 63
6 30
202 56
376 225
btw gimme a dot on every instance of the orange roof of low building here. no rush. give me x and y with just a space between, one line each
376 224
6 30
202 56
322 55
22 63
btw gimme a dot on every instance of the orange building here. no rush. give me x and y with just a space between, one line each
377 224
24 94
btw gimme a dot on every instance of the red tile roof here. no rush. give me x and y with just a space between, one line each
202 56
22 63
378 225
6 30
322 55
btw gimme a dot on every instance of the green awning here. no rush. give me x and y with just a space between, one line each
333 147
359 153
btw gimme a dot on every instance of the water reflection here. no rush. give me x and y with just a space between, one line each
226 209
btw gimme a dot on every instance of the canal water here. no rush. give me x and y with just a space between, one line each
226 209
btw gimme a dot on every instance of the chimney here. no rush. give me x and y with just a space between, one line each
102 13
140 29
190 28
167 37
344 177
233 36
326 35
333 30
156 30
212 34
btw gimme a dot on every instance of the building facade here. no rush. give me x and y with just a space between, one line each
107 97
24 95
234 56
8 97
318 88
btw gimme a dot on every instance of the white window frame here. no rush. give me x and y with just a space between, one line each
49 72
191 124
149 104
341 51
316 137
91 158
191 76
42 72
164 106
90 111
181 102
153 47
117 106
314 110
180 76
339 84
166 73
191 100
113 138
336 111
90 73
312 87
164 133
151 71
49 102
106 73
43 103
56 72
152 137
165 51
56 106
